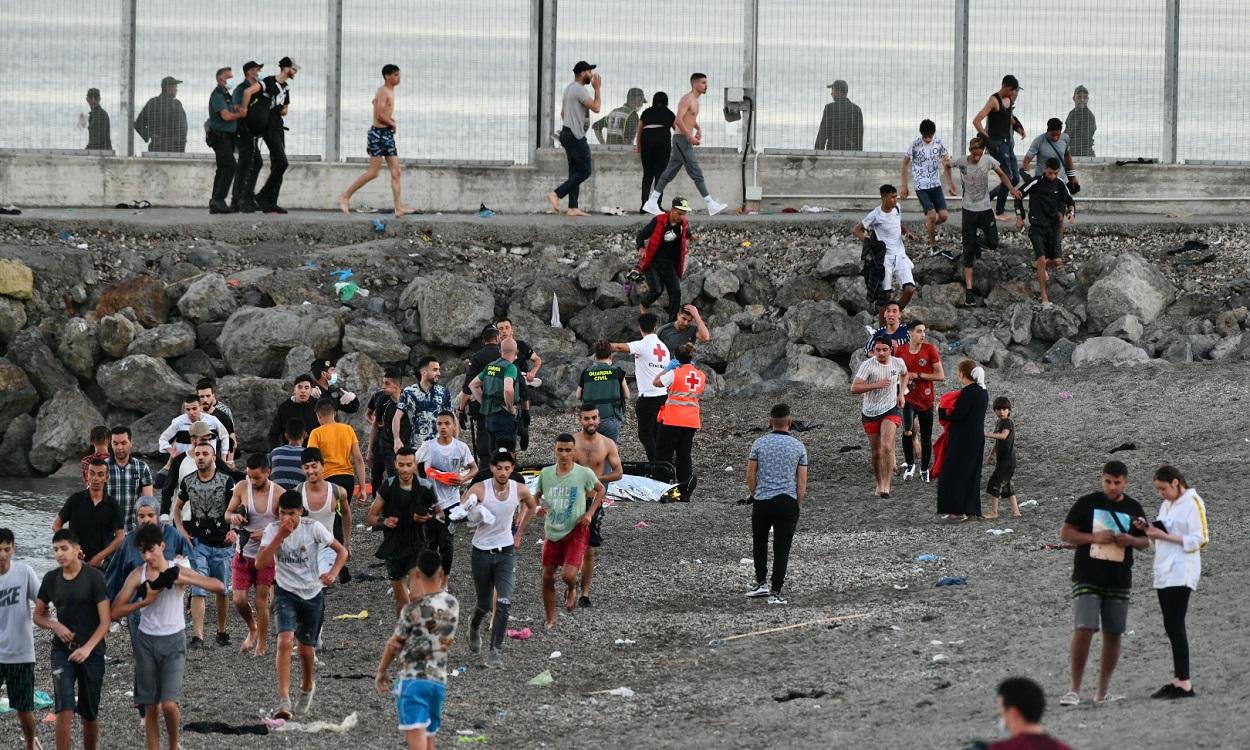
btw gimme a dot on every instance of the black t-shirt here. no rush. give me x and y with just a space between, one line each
278 94
95 524
76 603
1096 510
208 501
402 504
1005 450
383 409
669 251
662 116
478 362
674 339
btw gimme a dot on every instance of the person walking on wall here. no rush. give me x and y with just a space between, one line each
575 110
688 135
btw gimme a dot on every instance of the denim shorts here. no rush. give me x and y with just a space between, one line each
298 615
931 199
610 428
213 562
87 678
419 703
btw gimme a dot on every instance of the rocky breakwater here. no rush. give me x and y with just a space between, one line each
117 332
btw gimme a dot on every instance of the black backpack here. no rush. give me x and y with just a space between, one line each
873 259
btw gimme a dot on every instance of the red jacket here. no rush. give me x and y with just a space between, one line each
657 236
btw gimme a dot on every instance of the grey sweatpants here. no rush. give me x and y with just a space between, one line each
682 155
494 576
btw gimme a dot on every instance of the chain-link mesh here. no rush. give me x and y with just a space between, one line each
654 46
466 69
1214 58
896 59
1113 49
54 51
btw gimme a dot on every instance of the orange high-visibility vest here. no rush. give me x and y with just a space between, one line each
682 407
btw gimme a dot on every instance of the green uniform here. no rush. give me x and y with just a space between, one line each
601 386
564 497
492 377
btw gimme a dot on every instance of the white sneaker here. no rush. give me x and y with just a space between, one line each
777 599
924 475
909 472
714 206
758 591
652 207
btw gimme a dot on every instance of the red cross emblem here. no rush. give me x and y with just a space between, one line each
693 380
660 352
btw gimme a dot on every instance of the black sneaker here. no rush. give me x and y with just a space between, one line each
584 602
223 639
248 207
345 575
218 207
970 299
275 209
196 642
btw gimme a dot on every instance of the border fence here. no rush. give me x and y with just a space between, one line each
482 79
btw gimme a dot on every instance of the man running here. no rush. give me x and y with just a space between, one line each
421 403
977 215
94 516
688 135
882 381
253 506
448 463
569 496
293 546
78 594
422 641
324 502
207 492
402 507
995 123
777 485
650 359
923 159
886 224
380 415
575 109
381 144
1049 204
599 454
154 591
662 242
19 586
299 406
603 385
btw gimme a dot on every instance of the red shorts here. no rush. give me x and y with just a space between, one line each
872 425
567 551
244 574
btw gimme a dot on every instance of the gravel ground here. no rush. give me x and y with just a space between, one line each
678 583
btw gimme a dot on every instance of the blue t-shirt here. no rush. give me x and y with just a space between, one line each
778 456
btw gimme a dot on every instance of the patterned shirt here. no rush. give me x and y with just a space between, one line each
125 484
422 408
427 627
778 456
926 159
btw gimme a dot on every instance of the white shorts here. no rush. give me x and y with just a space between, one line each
897 268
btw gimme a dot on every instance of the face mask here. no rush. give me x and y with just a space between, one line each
334 379
1002 727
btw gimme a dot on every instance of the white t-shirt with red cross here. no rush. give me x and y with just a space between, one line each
650 359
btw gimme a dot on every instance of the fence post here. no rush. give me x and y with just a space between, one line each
1171 76
959 108
334 79
543 81
750 59
127 103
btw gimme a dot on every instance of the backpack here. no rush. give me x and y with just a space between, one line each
873 259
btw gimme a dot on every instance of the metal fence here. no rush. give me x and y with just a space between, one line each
482 79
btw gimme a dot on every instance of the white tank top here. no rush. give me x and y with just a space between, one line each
499 533
163 616
325 516
257 521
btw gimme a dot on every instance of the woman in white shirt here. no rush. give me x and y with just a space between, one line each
1179 534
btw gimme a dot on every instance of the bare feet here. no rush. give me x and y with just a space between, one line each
570 598
1003 217
260 649
551 625
248 642
554 200
1015 514
403 211
991 516
576 212
343 206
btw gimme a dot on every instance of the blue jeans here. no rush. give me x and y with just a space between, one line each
610 427
298 615
577 151
1005 152
213 562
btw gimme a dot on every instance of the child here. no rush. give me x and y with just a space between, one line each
422 640
1004 453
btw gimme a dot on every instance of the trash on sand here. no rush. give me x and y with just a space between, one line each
310 265
935 643
343 274
379 226
65 236
1065 395
926 557
1190 245
767 631
10 210
1124 447
1196 261
902 587
612 211
42 699
642 525
555 655
939 657
953 346
1028 503
624 642
555 312
998 532
542 679
746 244
483 212
951 581
745 561
470 738
792 694
729 468
620 692
849 448
361 615
49 719
348 289
317 727
524 634
1048 545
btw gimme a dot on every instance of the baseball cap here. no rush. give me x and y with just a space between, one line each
251 64
681 204
93 92
489 331
1080 90
167 80
635 95
582 65
838 84
319 366
199 429
287 62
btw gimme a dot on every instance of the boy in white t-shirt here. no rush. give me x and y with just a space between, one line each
882 381
886 224
447 463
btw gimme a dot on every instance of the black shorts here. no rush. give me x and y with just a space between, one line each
1045 241
20 679
596 529
397 568
1000 481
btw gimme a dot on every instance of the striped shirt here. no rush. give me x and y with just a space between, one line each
286 467
879 402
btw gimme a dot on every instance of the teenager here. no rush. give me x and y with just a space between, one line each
253 506
19 587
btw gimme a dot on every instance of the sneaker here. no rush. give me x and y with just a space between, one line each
652 207
970 299
475 639
584 602
924 475
223 639
305 699
1070 698
758 591
196 642
777 598
283 711
494 659
714 206
909 472
219 207
275 209
948 255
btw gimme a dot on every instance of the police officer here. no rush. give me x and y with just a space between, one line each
679 418
603 384
621 124
467 406
328 385
496 389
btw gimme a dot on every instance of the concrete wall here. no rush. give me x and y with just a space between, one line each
70 180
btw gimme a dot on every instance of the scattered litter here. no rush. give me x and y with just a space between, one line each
134 204
81 246
379 226
233 283
896 628
361 615
935 643
746 244
10 210
555 655
1065 395
42 699
1196 261
310 265
1124 447
729 468
849 448
951 581
1028 503
1189 246
221 727
346 725
346 289
542 679
642 525
939 657
624 642
824 620
555 312
49 719
524 634
926 557
998 532
953 346
612 211
65 236
746 561
470 738
639 489
129 693
815 210
620 692
902 587
483 212
799 425
791 695
1048 545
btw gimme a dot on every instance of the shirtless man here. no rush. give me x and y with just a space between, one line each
381 144
599 454
688 135
321 501
253 506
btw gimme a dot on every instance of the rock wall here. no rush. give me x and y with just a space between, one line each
109 326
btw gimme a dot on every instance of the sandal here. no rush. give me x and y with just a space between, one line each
1109 698
1070 698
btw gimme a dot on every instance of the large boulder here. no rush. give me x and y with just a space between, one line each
141 383
208 298
115 333
79 349
15 447
755 357
164 342
842 259
298 362
452 310
544 339
1126 327
1020 322
61 430
255 340
848 291
253 401
715 353
362 376
825 326
17 393
617 324
1132 286
985 348
145 432
559 377
1054 323
1107 350
376 337
16 280
12 318
819 372
537 295
194 365
936 314
29 351
720 282
145 295
1059 353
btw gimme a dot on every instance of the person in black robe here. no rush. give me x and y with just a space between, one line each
959 483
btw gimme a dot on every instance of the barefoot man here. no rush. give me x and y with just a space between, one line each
575 111
253 506
381 144
599 454
568 496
